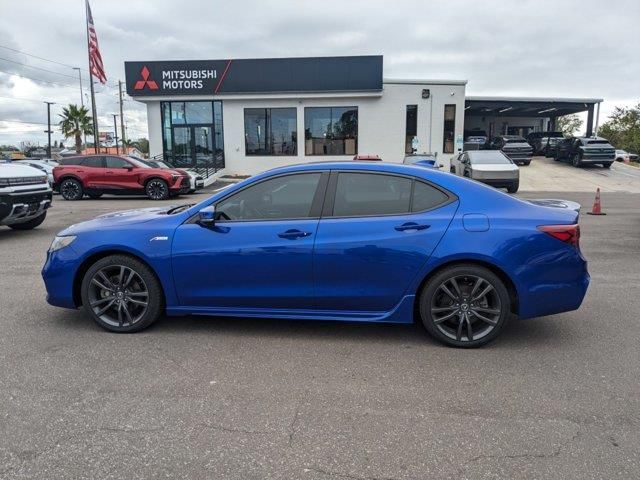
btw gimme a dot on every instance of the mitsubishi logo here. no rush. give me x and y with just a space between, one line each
145 82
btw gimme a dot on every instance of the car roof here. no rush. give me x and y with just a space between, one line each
483 153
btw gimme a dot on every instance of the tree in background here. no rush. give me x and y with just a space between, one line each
143 145
622 129
76 122
569 124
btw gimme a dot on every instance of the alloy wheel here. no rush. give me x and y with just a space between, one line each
466 308
118 295
157 190
70 190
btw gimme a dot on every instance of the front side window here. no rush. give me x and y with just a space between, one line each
270 131
331 130
449 128
285 197
361 194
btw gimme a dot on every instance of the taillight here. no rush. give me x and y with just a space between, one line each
565 233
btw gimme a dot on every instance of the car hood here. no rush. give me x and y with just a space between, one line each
494 167
8 170
117 219
555 203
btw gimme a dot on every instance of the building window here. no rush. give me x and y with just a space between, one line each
270 131
411 129
449 128
331 130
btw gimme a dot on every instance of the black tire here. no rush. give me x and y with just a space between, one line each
513 188
607 164
576 160
454 331
526 164
157 189
71 189
94 195
100 297
31 224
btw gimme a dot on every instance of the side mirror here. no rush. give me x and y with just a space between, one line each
129 168
207 216
440 165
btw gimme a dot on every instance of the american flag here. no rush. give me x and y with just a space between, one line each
95 59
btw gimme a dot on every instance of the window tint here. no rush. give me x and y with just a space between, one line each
115 162
71 161
359 194
289 196
95 162
426 197
331 130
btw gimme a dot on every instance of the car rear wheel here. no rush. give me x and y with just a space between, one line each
465 306
122 294
513 188
71 189
30 224
575 160
607 164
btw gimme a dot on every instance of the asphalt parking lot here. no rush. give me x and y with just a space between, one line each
554 397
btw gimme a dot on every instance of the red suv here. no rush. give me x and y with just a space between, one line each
94 175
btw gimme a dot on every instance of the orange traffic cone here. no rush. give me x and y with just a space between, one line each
597 207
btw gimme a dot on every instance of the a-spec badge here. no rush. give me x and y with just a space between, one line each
158 238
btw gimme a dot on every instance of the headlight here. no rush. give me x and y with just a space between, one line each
61 242
44 179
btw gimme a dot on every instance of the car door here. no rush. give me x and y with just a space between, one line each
121 174
93 171
376 232
259 252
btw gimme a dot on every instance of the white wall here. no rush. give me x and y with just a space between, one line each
381 123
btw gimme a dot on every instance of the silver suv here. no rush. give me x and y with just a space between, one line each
25 196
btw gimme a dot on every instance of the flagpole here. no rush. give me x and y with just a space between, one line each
96 135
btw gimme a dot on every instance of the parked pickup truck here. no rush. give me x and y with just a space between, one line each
513 146
25 196
585 150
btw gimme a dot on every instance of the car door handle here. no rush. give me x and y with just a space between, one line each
293 234
411 227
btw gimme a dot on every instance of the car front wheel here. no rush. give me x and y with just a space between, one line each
465 306
71 189
607 164
122 294
157 189
575 160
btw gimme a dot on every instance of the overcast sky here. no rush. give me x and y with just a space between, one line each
564 48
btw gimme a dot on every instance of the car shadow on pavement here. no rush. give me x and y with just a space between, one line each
517 334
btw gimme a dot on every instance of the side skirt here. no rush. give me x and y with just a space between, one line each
401 313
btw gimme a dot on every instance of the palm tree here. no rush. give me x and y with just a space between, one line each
76 122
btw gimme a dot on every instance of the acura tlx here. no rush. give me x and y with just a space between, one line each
353 241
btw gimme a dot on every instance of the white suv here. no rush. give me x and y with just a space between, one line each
25 196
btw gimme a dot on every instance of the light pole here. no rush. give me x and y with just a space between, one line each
84 135
115 130
49 128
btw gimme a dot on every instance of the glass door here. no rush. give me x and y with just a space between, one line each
182 146
203 145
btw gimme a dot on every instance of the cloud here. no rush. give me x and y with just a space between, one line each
574 48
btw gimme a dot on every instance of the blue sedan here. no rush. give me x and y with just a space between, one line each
351 241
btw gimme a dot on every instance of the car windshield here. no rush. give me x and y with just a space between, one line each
486 157
598 142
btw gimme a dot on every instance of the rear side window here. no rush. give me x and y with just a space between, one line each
426 197
95 162
71 161
361 194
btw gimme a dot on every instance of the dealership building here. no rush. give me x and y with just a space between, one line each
249 115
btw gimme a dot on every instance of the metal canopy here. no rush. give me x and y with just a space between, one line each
527 106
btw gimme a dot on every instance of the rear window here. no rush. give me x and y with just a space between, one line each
71 161
485 157
514 140
598 142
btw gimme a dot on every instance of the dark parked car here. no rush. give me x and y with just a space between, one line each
585 150
513 146
94 175
547 145
539 140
